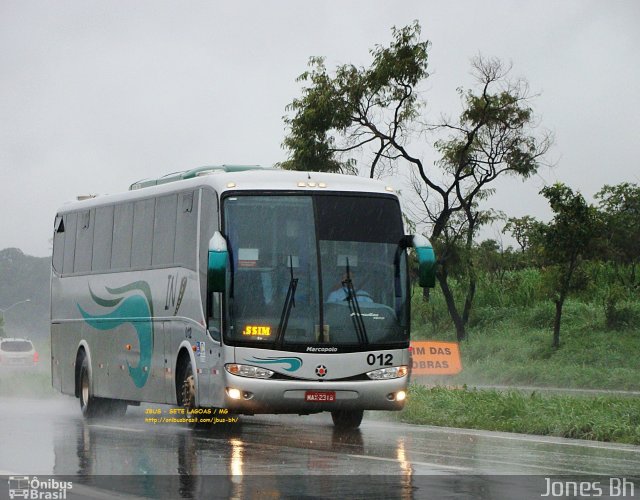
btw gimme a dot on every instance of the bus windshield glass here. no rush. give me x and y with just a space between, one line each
315 270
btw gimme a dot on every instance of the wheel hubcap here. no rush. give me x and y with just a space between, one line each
85 391
189 392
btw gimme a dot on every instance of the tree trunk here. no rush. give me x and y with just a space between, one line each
471 293
471 270
556 323
461 333
564 290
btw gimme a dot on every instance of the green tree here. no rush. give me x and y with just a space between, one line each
376 110
565 242
357 107
521 230
495 260
620 209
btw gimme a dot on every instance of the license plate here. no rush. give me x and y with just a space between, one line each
319 396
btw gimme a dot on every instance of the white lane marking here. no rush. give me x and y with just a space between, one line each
512 436
557 469
568 442
412 462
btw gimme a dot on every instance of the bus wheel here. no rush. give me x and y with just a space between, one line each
188 389
347 419
89 404
187 395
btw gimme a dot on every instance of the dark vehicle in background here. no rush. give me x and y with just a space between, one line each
16 353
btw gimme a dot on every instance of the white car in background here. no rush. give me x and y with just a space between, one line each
17 353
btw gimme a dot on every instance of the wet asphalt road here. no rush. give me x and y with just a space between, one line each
287 456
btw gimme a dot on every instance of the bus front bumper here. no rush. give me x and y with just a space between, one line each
248 395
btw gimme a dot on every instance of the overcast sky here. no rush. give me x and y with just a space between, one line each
97 94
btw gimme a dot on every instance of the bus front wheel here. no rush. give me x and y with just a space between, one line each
347 419
187 392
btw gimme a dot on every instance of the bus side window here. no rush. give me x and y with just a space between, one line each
70 221
164 230
142 244
186 231
102 239
122 234
84 242
58 243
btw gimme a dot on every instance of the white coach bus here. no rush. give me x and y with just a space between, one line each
255 290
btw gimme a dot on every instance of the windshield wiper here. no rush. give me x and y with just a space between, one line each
354 308
289 302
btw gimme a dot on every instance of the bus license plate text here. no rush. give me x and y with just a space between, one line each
319 396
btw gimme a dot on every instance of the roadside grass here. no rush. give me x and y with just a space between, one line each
512 346
509 344
602 418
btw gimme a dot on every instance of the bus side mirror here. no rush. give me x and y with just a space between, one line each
217 263
426 261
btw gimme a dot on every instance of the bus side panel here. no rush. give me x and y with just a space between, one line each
169 362
56 369
155 390
100 351
63 356
210 368
123 350
64 340
158 387
122 318
216 379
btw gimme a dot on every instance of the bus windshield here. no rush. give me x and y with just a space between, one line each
315 270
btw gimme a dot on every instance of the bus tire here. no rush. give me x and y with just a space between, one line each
347 419
186 386
187 395
90 405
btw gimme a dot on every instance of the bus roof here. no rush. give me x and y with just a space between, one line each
237 178
190 174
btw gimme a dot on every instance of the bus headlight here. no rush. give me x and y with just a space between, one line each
248 371
388 373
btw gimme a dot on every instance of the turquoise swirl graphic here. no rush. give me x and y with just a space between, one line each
293 363
135 309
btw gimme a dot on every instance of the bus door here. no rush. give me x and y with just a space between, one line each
215 381
214 353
